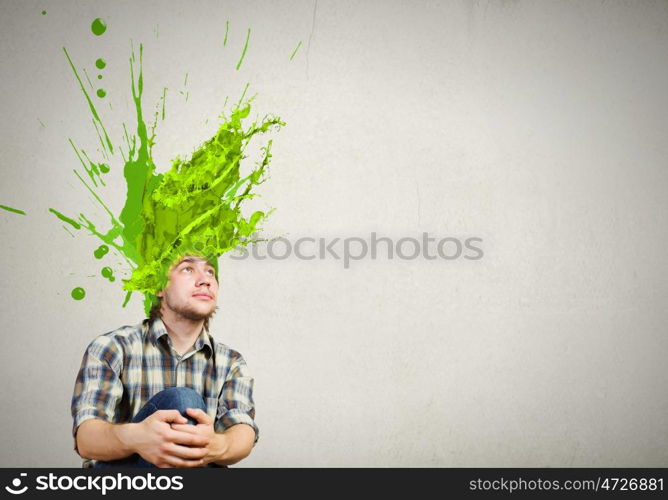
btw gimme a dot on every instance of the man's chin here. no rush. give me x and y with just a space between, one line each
197 314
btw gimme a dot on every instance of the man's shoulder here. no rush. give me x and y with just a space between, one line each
224 351
122 337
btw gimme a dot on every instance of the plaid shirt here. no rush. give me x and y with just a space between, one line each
123 369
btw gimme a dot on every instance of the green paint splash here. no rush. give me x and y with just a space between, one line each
88 78
13 210
193 208
94 170
96 117
243 53
44 13
164 97
296 49
185 93
78 293
227 29
100 63
98 27
64 218
101 93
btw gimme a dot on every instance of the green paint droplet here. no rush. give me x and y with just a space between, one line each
99 77
104 168
78 293
101 251
101 93
108 273
44 13
100 63
98 26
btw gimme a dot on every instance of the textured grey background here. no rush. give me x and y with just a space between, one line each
537 126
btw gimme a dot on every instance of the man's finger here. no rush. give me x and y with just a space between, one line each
186 438
187 428
185 452
171 461
170 416
199 415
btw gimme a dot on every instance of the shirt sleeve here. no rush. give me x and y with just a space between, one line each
98 388
235 404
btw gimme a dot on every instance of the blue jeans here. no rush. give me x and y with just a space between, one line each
174 398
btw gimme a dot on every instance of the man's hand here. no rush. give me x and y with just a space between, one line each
216 443
224 448
163 440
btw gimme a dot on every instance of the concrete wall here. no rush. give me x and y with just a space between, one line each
537 126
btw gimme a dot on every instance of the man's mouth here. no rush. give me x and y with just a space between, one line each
203 296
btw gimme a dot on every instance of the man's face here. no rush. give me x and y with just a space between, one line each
192 290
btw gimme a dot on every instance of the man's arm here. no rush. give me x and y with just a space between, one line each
101 440
233 445
154 439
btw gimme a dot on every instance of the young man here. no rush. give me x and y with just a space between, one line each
164 393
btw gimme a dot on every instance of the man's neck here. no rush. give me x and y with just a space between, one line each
183 332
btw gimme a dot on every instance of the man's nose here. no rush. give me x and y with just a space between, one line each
203 278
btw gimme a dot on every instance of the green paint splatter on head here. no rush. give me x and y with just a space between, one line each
227 29
101 93
101 251
100 63
13 210
192 209
98 27
99 77
108 273
78 293
44 13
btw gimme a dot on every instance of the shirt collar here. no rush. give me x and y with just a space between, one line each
157 330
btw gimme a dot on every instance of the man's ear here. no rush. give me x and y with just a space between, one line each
159 294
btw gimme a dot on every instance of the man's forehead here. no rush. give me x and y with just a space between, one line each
192 259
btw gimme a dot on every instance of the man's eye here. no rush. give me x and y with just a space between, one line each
210 272
187 269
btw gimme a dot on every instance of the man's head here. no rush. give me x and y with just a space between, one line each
191 292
